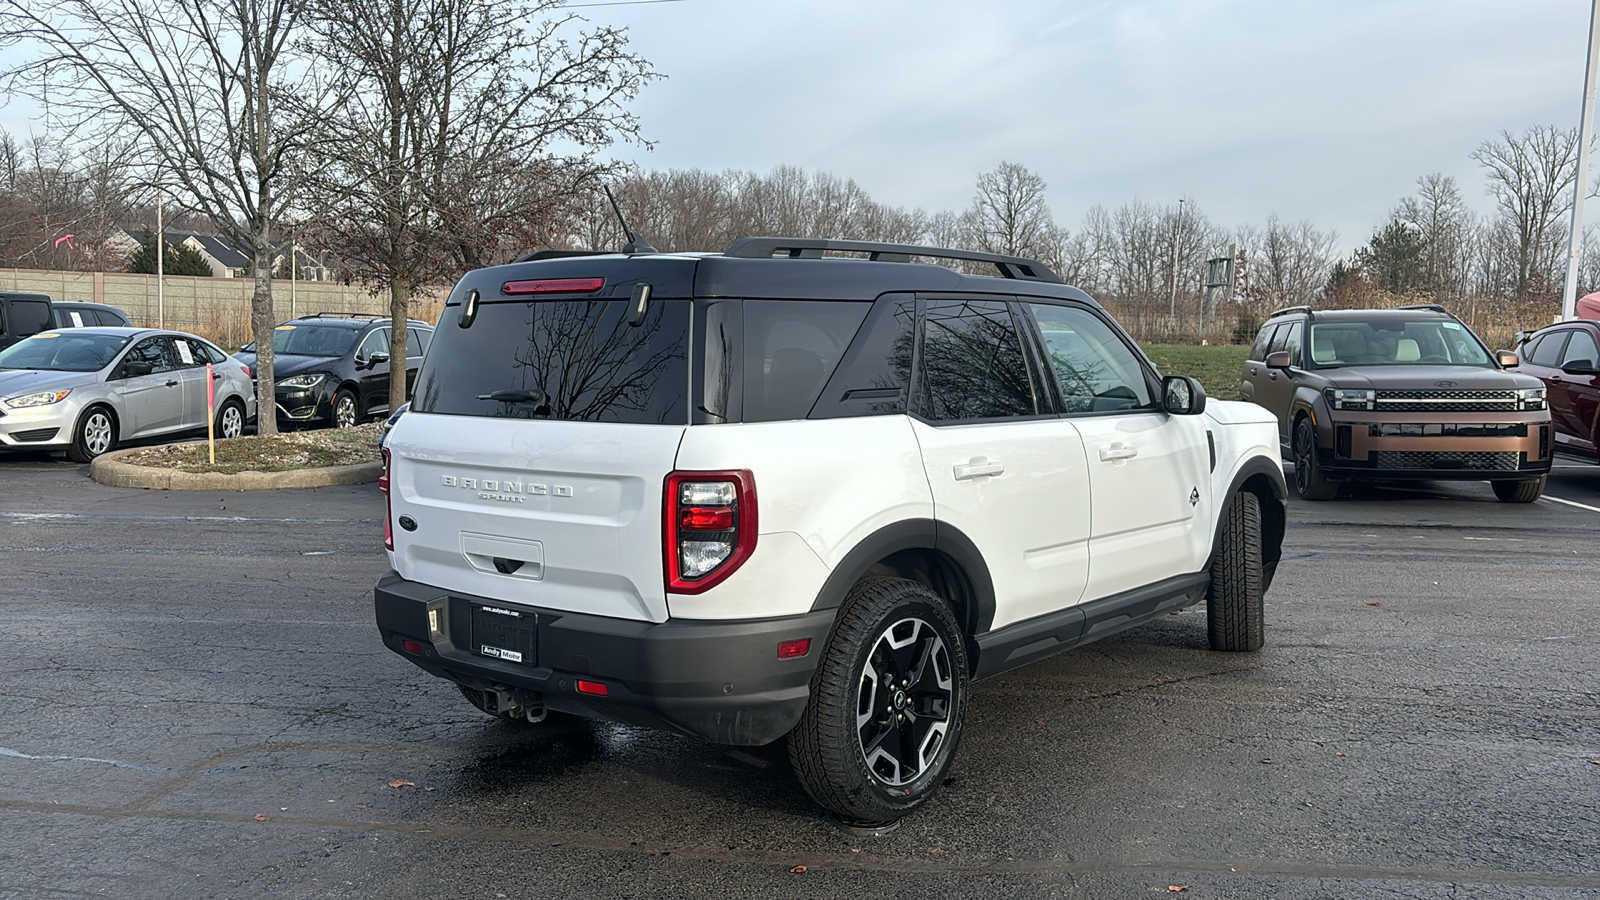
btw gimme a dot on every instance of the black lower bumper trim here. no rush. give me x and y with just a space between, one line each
719 680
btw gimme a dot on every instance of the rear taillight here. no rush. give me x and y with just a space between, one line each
708 527
388 507
247 372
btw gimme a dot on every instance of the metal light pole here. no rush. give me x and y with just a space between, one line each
161 241
1569 296
1177 235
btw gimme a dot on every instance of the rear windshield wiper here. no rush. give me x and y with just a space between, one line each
534 396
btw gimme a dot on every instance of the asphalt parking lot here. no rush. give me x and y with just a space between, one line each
195 703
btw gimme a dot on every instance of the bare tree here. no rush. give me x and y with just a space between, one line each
1530 178
1009 214
1440 217
445 157
205 89
1289 263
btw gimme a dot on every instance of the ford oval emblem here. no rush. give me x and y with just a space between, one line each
1444 384
408 523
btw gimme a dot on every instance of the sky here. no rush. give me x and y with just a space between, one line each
1320 110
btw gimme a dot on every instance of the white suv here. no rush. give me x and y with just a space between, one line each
780 491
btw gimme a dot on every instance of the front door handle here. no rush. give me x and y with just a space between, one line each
978 470
1273 375
172 384
1118 451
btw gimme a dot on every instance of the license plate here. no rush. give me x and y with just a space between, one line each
508 634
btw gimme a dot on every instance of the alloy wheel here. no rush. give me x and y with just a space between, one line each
344 412
905 701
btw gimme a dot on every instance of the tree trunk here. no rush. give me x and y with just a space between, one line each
262 322
399 316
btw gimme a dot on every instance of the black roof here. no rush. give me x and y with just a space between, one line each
749 270
349 320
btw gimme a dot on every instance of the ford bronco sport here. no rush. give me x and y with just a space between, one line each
1397 394
779 491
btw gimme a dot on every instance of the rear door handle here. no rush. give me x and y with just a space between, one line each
977 470
1118 451
171 383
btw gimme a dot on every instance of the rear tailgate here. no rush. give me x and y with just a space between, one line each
561 515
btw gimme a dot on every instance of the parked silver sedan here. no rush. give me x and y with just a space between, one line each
86 390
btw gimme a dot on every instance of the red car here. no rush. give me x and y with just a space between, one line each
1566 357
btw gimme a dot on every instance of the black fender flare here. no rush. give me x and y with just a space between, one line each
1274 510
916 534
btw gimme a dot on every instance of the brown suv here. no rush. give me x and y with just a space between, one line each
1396 394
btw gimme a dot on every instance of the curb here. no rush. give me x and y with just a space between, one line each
108 469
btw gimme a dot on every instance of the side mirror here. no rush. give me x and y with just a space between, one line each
1580 367
1182 395
1278 360
1507 359
135 369
379 357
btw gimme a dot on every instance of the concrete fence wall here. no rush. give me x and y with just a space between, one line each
218 308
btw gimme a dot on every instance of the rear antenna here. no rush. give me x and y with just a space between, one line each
636 244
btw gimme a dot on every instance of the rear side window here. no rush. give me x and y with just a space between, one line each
574 360
972 365
790 349
1580 349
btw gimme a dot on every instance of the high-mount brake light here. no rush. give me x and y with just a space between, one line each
708 527
553 286
388 507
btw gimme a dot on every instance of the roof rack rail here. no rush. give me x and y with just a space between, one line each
1292 309
1436 307
810 248
537 255
346 315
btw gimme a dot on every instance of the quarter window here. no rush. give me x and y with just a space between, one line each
1095 369
972 365
790 349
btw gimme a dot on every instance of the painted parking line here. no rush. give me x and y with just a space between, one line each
1571 503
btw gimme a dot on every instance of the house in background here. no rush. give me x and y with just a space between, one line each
226 260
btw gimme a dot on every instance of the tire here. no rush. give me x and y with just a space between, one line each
94 435
870 763
1308 480
1234 614
1519 491
230 420
346 411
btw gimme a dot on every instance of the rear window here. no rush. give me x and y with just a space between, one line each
573 360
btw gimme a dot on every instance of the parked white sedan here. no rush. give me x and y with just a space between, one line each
85 390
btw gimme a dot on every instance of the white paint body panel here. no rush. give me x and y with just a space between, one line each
1031 520
1152 498
587 494
822 486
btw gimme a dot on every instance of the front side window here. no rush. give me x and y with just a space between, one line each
1549 351
1094 368
157 351
376 341
972 365
1258 352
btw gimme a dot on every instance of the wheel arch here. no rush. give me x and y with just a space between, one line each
931 553
1264 478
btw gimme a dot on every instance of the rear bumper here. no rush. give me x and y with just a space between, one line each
722 681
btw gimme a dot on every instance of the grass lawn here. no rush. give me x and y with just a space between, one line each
1219 367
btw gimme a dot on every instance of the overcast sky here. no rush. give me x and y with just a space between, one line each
1327 110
